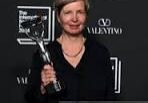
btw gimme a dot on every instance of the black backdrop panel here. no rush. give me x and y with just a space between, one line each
121 25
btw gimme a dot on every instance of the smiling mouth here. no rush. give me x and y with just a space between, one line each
74 26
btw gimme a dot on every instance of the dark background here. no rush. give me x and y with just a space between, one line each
131 46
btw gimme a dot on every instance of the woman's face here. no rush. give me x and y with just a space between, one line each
72 17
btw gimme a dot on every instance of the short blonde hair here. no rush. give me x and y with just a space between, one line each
59 4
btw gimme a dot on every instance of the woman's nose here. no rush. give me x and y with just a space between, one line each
74 17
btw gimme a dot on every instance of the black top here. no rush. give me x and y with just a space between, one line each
91 79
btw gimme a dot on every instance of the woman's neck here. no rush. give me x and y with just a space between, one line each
72 46
72 39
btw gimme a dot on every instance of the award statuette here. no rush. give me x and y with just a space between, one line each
36 33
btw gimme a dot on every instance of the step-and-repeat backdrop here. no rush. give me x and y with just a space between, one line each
121 25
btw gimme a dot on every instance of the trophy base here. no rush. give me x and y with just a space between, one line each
54 88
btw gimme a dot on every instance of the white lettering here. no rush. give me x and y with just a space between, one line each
22 80
104 30
21 12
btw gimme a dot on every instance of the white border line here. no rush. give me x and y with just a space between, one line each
53 25
32 7
25 40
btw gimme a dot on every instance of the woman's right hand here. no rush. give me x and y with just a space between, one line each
48 75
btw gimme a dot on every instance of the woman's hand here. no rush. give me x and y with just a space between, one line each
48 76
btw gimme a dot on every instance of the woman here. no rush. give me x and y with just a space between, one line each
82 63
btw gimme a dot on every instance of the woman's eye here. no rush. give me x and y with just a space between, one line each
82 12
67 12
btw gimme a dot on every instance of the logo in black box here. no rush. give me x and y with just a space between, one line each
26 13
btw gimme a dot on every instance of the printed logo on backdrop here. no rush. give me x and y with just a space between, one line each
22 77
104 27
26 13
116 67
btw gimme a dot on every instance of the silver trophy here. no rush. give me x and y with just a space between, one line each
36 33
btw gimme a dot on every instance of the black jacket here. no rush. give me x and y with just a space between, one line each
92 79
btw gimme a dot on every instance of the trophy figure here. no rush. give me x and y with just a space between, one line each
36 33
